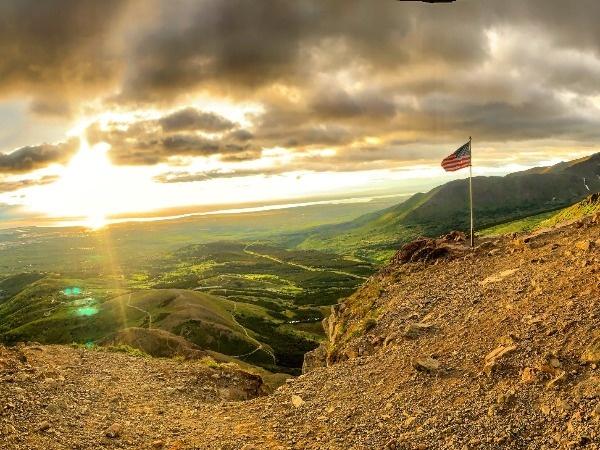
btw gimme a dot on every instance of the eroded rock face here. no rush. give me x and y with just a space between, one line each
315 359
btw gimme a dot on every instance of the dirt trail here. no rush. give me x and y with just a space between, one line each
260 345
302 266
140 309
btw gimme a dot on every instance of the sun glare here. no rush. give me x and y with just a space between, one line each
83 191
95 222
85 178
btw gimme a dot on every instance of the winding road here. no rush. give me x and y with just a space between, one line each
141 310
260 345
302 266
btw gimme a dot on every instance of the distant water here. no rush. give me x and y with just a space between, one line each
342 201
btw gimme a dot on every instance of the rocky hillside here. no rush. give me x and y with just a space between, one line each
445 348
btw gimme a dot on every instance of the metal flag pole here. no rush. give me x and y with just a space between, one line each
471 193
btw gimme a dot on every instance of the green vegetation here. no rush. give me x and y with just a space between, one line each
588 206
250 288
259 302
131 351
526 224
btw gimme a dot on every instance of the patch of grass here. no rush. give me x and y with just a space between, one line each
526 224
122 348
210 362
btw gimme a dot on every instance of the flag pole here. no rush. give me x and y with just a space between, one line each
471 194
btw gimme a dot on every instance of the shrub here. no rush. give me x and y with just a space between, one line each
122 348
369 324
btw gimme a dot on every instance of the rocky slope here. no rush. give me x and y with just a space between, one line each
445 348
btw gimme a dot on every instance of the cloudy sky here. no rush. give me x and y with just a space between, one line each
114 106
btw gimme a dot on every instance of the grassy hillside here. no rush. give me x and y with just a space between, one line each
516 226
586 207
280 294
496 200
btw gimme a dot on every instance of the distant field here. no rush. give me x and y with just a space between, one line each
240 284
81 252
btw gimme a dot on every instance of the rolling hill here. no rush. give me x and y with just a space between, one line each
44 312
497 199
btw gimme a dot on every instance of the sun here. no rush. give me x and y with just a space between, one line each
85 189
95 222
86 181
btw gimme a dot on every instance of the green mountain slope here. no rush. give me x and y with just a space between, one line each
496 200
587 207
257 301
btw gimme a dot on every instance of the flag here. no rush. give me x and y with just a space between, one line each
460 159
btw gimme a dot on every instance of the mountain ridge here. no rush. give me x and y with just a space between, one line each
445 208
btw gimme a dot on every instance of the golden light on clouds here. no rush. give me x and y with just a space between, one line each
224 105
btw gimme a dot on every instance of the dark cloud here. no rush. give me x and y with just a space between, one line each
240 135
339 104
149 142
182 144
58 44
192 119
350 75
236 46
26 159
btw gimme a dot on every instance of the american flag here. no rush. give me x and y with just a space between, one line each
460 159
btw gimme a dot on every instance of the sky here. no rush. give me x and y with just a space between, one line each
119 107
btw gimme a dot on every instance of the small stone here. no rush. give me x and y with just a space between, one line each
297 401
492 358
592 352
391 445
414 330
389 339
562 376
584 245
596 412
44 426
528 375
426 364
114 431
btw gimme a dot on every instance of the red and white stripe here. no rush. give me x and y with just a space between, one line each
457 160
